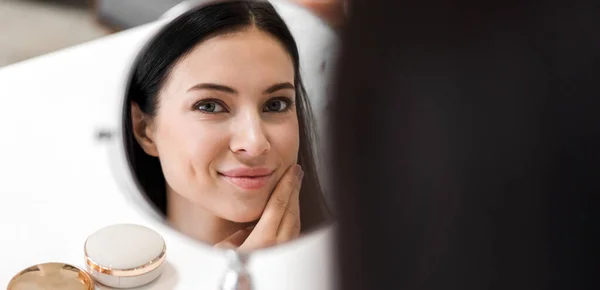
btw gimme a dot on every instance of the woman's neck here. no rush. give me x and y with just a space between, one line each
196 222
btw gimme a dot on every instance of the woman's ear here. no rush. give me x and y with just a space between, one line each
142 130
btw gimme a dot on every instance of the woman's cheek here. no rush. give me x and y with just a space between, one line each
205 144
170 141
288 143
186 150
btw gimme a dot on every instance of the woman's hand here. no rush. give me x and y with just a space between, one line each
332 11
280 221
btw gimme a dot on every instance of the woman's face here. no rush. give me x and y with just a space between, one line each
226 127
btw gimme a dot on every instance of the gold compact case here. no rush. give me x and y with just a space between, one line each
125 255
51 276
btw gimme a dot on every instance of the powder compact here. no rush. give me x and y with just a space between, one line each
125 255
118 256
51 276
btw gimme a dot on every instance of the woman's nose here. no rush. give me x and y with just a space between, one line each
249 137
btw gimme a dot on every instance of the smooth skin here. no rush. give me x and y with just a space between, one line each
280 221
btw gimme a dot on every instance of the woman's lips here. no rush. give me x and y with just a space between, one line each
248 178
248 183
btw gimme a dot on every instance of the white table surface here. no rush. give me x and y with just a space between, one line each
57 185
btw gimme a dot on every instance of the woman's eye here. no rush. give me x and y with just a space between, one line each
277 105
210 107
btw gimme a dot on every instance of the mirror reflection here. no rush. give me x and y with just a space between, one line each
219 130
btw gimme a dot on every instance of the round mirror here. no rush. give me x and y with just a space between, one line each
223 135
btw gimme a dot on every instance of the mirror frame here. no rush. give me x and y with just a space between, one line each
122 169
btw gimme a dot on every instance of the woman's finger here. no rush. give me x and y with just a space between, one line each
266 228
290 225
235 240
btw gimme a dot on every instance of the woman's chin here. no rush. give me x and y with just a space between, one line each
245 210
244 215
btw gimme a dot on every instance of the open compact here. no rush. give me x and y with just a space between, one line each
118 256
51 276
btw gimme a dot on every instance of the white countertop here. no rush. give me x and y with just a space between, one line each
57 185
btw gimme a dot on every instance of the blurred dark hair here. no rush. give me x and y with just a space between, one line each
177 39
478 162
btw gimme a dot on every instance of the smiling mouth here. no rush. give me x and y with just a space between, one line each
248 182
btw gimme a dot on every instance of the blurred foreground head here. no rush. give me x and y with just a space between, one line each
467 138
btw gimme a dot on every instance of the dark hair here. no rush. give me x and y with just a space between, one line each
478 163
176 40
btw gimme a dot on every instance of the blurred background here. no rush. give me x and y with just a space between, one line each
30 28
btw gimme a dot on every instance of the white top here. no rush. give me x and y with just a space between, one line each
124 246
57 186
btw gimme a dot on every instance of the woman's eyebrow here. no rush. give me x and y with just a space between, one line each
280 86
226 89
211 86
